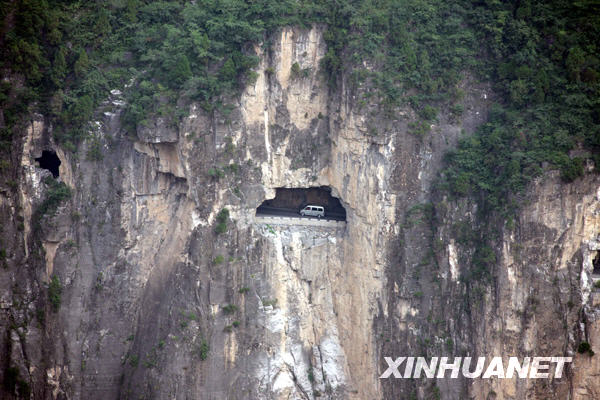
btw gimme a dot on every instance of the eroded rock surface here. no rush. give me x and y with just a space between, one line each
156 304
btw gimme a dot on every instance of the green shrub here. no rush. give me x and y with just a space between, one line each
218 260
428 113
216 173
221 228
230 308
234 168
572 169
449 344
223 215
419 128
295 70
94 152
251 78
82 64
585 347
222 218
151 362
203 350
3 262
482 264
181 71
246 290
55 289
229 146
57 193
14 382
99 281
134 360
269 302
457 110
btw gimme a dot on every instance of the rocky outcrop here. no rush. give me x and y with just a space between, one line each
543 302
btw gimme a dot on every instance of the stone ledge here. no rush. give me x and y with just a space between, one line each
278 220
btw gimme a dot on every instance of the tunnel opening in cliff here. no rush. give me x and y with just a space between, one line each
50 161
596 264
289 202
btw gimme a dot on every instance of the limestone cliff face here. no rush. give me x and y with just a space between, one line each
541 301
156 304
544 302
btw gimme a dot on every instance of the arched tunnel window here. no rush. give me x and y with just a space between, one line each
596 263
291 202
50 161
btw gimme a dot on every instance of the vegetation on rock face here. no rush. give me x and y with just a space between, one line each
222 218
230 308
71 53
13 381
541 57
56 194
55 292
203 350
585 347
218 260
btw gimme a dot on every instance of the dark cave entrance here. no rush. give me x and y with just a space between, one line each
50 161
289 202
596 264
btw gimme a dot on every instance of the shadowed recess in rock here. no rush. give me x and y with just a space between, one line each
50 161
292 200
596 263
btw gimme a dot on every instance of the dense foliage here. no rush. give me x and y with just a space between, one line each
72 53
541 57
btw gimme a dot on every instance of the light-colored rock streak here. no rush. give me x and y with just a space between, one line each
302 324
267 143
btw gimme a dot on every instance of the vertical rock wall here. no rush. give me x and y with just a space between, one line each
156 304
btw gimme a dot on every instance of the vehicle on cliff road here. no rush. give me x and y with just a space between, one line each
312 211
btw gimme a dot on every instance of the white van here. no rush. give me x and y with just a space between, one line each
313 211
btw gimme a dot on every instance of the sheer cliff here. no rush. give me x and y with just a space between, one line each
152 278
